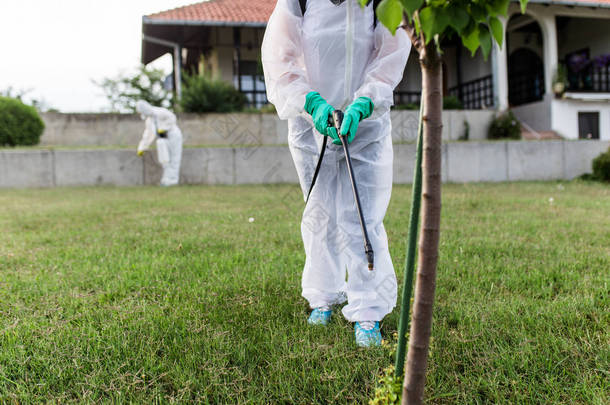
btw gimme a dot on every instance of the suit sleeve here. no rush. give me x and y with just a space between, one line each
283 63
385 68
148 137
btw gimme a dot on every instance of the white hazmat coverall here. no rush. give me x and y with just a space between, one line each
340 53
169 140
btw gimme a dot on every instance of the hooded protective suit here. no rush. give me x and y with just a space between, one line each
161 126
338 51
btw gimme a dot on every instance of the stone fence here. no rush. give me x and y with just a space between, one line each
238 129
462 162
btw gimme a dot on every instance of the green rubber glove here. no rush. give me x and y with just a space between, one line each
320 112
360 109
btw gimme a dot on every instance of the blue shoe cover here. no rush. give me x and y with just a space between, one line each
367 337
319 317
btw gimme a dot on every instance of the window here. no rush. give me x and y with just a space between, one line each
252 83
588 125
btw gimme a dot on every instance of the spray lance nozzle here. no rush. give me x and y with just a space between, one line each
370 256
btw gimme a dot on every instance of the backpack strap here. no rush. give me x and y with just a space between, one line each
303 4
375 4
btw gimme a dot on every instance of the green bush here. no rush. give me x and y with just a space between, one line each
202 94
466 134
265 109
601 166
449 103
504 126
452 103
20 124
410 106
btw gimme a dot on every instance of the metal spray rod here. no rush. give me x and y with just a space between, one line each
368 249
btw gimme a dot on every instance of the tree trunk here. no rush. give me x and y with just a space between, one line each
421 326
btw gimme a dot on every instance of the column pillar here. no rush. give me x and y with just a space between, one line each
499 66
178 71
551 57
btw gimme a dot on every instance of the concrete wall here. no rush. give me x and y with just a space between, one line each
226 129
462 162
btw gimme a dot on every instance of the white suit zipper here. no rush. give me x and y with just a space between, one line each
349 53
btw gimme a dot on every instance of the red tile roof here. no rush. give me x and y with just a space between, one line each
220 11
593 2
584 3
258 11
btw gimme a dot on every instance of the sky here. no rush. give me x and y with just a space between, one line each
55 48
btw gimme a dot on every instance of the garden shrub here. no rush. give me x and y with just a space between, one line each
504 126
410 106
265 109
601 166
20 124
449 103
452 103
202 94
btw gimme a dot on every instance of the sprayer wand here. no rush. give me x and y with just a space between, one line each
368 249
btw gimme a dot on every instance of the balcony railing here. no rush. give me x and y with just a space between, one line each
475 94
594 79
407 97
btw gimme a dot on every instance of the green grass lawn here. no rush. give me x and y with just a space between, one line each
150 294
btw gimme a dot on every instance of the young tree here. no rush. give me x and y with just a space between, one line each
428 23
123 91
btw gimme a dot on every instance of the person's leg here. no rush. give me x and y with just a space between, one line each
371 294
163 158
323 280
324 273
171 171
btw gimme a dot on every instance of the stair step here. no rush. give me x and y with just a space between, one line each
540 135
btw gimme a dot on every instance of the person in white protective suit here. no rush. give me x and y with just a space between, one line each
161 126
335 55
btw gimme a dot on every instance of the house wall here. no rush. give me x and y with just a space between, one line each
565 116
537 115
579 33
474 67
224 51
518 40
449 66
411 80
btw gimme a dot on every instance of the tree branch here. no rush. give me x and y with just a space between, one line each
417 40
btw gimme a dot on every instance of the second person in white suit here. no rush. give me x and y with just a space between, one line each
161 127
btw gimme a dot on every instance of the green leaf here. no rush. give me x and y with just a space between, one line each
434 21
417 25
485 40
496 29
411 5
478 13
523 5
458 19
498 7
389 13
471 40
364 3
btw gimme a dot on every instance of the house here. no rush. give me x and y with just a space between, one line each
569 37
